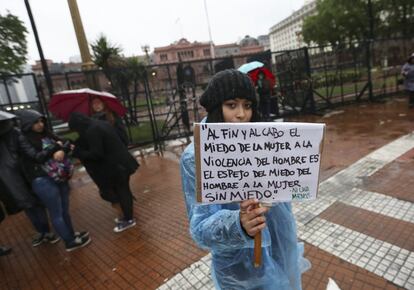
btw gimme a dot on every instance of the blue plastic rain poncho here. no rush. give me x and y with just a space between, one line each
218 229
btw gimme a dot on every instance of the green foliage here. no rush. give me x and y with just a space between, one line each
13 44
105 53
338 22
123 73
143 133
397 18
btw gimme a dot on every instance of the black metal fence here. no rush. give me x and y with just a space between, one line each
162 100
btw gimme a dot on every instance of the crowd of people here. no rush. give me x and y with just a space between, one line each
38 162
36 166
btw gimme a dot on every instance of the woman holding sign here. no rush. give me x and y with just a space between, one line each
228 230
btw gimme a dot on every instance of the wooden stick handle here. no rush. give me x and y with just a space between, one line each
258 247
258 250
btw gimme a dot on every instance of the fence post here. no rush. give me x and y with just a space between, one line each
309 76
42 102
8 93
154 126
368 55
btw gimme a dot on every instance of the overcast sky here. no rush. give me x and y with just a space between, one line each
133 23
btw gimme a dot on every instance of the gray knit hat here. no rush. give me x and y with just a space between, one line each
227 85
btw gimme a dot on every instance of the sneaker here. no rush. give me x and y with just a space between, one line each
117 220
5 251
81 234
124 225
38 240
78 243
51 238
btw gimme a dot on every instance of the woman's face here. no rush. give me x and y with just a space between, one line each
237 110
39 126
97 105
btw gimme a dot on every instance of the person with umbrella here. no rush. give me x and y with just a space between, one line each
15 191
100 111
54 193
108 162
264 80
264 90
101 106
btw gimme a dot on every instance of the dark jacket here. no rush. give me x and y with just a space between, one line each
15 190
100 149
32 165
118 125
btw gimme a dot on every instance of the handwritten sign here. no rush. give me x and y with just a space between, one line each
268 161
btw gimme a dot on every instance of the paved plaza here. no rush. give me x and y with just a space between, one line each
359 231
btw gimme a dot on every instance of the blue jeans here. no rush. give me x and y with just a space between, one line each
38 217
55 196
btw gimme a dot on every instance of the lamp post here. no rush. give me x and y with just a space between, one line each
209 31
39 48
145 48
45 68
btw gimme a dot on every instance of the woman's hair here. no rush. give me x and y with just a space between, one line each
109 116
106 114
228 85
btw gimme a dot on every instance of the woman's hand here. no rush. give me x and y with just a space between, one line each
59 155
252 216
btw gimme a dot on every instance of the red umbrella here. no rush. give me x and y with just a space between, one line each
64 103
254 75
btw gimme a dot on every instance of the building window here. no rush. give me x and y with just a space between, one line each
185 54
206 52
164 57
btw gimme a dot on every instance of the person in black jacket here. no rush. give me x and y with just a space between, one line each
107 161
264 90
15 190
53 194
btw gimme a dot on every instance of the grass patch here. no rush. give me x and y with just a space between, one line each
139 133
143 132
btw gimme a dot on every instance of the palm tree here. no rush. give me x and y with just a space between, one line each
106 55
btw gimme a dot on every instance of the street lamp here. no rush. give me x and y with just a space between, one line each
209 31
39 48
145 48
43 62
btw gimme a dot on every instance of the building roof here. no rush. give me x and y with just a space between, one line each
249 41
182 43
226 45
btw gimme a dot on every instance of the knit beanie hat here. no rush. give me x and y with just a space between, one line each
227 85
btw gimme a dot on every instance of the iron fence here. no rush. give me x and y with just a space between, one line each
162 100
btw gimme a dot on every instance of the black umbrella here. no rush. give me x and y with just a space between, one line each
4 125
6 116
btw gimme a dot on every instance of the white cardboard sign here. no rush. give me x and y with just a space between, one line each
271 162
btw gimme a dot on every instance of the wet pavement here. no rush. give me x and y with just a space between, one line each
360 230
